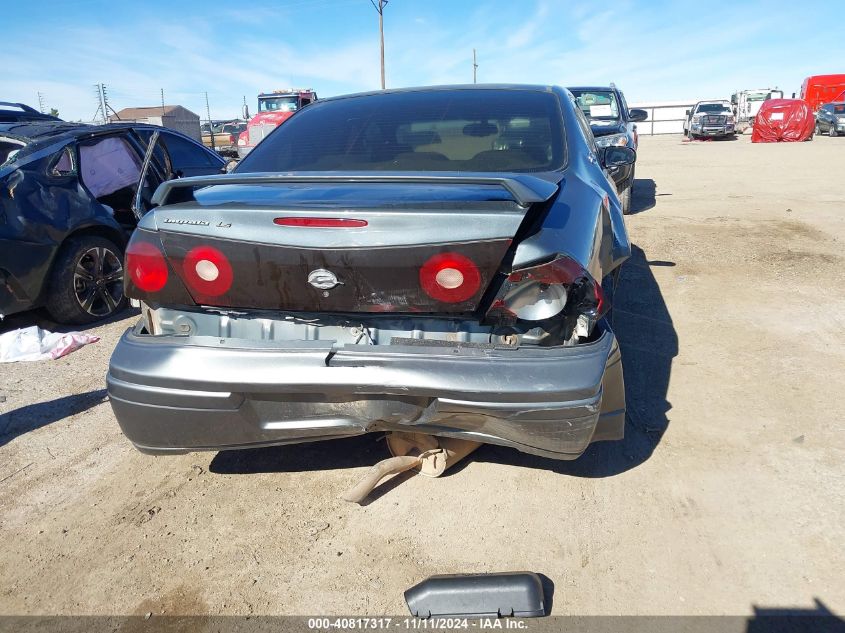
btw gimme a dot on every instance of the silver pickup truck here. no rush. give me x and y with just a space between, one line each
710 118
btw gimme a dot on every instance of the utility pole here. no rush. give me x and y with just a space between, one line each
102 102
210 124
474 68
162 102
41 103
380 8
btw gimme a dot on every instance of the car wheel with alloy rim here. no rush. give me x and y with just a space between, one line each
86 284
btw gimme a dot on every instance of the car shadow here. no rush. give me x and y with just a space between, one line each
643 195
40 318
649 343
28 418
818 619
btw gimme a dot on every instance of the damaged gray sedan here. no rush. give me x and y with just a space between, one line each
437 261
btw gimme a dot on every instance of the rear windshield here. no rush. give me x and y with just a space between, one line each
839 109
437 130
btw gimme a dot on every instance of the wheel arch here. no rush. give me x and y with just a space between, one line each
119 237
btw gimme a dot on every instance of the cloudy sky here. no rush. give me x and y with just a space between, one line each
655 51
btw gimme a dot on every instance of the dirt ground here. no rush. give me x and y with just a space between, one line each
726 495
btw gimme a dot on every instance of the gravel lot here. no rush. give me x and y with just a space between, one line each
726 495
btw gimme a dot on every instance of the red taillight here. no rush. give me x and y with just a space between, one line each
450 278
147 266
207 271
324 223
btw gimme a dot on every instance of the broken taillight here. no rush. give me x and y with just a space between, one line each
450 277
558 289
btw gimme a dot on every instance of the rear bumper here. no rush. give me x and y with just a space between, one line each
175 394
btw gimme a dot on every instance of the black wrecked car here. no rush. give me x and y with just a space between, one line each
437 261
612 123
70 196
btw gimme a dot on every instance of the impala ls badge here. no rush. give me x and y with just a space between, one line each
323 279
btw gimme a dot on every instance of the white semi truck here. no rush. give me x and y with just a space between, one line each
746 104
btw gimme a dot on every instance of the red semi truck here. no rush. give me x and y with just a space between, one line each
820 89
274 108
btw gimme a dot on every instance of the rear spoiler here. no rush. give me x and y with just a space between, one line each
525 189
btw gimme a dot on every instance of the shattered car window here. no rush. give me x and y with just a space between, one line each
441 130
108 166
63 164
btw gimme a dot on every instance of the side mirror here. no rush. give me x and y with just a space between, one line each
245 112
617 156
687 113
636 115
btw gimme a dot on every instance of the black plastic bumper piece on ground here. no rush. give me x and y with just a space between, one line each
517 594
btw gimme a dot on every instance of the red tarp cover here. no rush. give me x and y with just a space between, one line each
784 120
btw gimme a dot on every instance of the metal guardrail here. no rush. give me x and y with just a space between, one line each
662 119
666 125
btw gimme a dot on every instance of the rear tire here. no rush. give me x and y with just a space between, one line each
86 283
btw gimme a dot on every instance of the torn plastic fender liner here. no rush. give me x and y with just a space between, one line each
517 594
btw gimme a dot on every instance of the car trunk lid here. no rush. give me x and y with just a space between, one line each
344 244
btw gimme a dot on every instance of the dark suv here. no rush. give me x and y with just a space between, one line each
830 119
612 124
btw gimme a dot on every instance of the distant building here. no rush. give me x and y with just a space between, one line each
174 117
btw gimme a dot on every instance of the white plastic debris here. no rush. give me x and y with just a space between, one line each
33 343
